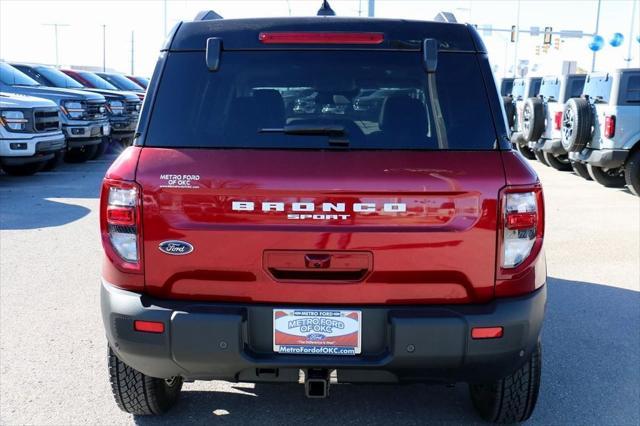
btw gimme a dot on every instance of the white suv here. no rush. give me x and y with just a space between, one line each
602 128
30 134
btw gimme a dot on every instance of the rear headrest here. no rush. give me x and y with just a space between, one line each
403 114
271 107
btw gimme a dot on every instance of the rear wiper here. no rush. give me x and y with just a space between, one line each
336 133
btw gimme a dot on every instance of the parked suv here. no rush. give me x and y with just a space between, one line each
30 134
602 128
523 89
123 107
83 114
542 118
244 242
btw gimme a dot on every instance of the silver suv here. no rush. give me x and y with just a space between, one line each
602 128
542 118
523 89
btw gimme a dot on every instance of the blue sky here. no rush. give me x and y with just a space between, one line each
24 37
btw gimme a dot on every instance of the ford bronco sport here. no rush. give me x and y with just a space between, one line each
542 118
602 129
246 242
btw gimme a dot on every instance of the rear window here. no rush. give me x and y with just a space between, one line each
550 90
632 94
598 88
376 100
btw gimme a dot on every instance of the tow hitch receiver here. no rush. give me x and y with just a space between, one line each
316 383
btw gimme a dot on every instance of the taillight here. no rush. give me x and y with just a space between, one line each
522 225
609 126
557 120
120 223
310 37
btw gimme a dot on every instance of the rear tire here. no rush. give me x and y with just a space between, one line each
540 157
80 155
23 169
139 394
632 172
581 170
611 178
513 398
526 151
561 162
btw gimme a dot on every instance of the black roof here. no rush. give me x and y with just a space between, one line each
241 34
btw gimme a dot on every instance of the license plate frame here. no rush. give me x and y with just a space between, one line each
300 331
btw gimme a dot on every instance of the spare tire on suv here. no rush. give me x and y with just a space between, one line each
577 120
533 119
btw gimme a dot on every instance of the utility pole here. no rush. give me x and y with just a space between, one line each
630 41
132 53
104 47
593 60
515 47
372 8
55 31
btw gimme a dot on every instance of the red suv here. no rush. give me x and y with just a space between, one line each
247 240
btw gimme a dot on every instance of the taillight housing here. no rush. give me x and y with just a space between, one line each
609 126
522 225
120 215
557 120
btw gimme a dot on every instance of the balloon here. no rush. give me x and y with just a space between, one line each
638 39
597 42
616 40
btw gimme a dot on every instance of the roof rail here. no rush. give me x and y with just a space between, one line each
207 15
445 17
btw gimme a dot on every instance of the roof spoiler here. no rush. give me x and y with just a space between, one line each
207 15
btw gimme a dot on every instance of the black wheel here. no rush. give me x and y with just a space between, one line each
532 119
540 157
23 169
577 120
526 151
611 178
101 148
55 161
560 162
513 398
632 172
80 155
139 394
581 170
510 110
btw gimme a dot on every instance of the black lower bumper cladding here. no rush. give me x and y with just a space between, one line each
399 343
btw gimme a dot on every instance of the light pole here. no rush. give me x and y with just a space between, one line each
630 41
104 47
515 47
132 53
372 8
593 59
55 31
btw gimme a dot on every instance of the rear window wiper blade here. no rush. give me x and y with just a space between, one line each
336 133
304 129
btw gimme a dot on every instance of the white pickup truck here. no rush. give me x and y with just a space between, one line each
30 135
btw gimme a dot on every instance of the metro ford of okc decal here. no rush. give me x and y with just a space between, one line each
311 332
323 211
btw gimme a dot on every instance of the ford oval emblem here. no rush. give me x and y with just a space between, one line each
175 247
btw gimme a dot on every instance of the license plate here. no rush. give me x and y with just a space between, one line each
317 332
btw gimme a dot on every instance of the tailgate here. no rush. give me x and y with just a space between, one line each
305 227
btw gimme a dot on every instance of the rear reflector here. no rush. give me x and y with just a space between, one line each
320 38
486 332
521 220
121 216
149 326
609 126
557 120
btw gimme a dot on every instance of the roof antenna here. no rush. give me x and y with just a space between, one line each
325 9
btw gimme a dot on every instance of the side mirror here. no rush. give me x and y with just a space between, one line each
214 47
430 54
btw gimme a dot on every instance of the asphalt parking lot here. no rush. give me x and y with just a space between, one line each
52 361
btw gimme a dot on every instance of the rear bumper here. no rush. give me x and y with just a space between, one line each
552 146
404 343
606 158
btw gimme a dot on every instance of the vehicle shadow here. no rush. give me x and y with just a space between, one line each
46 198
591 347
